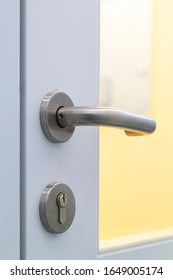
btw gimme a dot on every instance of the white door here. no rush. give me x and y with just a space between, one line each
59 52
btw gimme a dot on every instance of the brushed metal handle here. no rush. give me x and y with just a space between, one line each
79 116
59 117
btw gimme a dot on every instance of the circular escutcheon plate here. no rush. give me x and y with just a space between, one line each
49 210
48 110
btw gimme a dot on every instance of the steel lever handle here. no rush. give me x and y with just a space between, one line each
59 117
79 116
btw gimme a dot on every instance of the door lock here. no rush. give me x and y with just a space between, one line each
62 203
57 207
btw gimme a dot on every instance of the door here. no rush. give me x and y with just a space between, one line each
59 52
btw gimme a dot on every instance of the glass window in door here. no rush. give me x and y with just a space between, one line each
136 173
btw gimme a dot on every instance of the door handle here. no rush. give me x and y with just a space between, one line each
59 117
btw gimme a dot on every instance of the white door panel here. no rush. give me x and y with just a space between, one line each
59 51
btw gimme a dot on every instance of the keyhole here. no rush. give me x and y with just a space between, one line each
61 202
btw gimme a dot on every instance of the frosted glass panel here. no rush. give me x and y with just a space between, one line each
125 42
136 173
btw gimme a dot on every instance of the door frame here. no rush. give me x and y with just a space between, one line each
10 129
